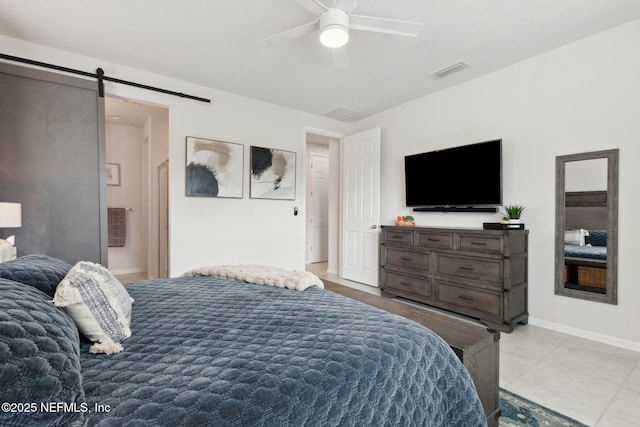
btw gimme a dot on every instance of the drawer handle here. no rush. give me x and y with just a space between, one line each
465 268
464 297
431 239
405 284
479 243
406 259
395 236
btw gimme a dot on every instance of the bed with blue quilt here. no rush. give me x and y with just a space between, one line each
211 351
586 244
586 252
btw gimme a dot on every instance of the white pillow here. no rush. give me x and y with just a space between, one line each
575 237
99 305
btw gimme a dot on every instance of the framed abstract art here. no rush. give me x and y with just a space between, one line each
273 174
214 168
113 173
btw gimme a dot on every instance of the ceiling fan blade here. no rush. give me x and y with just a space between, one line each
382 25
314 6
340 57
303 30
346 5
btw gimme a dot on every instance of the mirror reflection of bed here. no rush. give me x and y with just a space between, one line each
585 249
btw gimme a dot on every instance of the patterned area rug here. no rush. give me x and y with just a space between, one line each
518 412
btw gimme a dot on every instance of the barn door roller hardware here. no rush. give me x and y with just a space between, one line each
99 74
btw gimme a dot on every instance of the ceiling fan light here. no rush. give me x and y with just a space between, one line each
334 36
334 28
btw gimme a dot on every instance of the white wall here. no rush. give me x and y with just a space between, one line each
207 230
582 97
124 147
228 231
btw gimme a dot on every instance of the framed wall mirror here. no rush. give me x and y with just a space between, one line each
587 226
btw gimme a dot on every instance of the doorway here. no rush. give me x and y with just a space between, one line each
137 145
317 203
322 200
353 206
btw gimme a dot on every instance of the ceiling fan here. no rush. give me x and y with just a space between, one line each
334 24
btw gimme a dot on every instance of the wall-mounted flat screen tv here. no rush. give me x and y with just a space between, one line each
464 176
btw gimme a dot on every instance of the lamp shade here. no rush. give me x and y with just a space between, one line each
10 215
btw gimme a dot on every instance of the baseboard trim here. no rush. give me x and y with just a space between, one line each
126 271
582 333
332 271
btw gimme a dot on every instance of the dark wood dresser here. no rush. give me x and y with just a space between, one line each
470 271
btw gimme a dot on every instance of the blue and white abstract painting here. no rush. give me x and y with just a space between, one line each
214 168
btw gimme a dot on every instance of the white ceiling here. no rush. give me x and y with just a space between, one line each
215 43
124 112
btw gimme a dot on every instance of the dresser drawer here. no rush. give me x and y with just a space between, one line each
483 270
480 301
408 284
407 259
434 240
403 237
484 244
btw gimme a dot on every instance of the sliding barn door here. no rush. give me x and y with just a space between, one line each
52 155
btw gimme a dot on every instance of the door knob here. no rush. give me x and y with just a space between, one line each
374 226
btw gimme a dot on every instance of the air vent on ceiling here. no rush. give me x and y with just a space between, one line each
449 70
344 114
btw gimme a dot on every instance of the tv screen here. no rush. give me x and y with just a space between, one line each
465 176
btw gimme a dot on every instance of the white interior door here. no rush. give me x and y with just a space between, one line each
319 208
361 206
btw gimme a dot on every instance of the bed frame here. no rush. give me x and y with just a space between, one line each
476 346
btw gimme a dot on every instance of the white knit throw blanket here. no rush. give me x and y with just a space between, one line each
260 274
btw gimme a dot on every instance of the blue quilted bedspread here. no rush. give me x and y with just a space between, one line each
590 252
212 352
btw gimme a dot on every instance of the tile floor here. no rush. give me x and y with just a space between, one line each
594 383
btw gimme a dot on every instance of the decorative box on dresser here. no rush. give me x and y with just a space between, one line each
475 272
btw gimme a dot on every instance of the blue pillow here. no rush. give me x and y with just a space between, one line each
40 271
39 360
596 238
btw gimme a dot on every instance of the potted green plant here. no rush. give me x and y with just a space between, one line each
512 213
